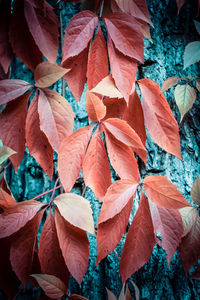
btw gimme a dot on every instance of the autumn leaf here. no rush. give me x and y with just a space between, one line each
71 155
95 107
6 199
96 169
168 223
185 96
76 210
50 255
114 107
74 246
47 74
110 232
5 153
56 117
164 193
21 38
78 33
12 124
139 242
10 89
16 216
22 248
76 77
39 25
76 297
191 54
36 140
97 67
125 32
53 287
107 87
159 118
134 116
179 4
188 215
121 158
123 70
169 82
111 296
116 198
195 191
125 134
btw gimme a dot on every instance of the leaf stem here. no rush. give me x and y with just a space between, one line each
54 189
47 192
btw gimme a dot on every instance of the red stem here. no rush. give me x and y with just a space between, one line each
55 188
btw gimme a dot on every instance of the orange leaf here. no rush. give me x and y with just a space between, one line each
139 242
169 82
98 61
164 193
116 198
56 117
114 107
123 70
76 210
125 134
107 87
70 156
74 245
109 233
53 287
159 118
12 124
125 32
36 140
121 158
50 255
96 170
47 74
95 108
6 200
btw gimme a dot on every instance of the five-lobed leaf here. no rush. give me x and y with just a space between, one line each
185 96
53 287
48 73
76 210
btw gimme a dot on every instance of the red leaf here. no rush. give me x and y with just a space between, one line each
168 222
139 242
96 170
56 117
164 193
190 244
125 32
22 42
6 200
74 245
123 69
36 140
44 29
47 74
53 287
98 61
159 118
15 217
76 210
134 116
8 280
71 154
6 54
22 248
125 134
114 107
116 198
12 124
50 255
109 233
121 158
95 107
78 33
77 297
11 89
136 8
76 77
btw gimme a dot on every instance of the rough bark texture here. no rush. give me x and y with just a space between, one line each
163 58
